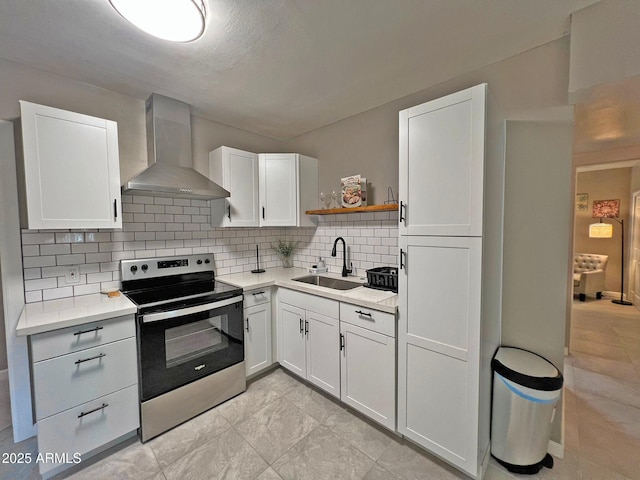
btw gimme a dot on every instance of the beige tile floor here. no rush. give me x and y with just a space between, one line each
283 429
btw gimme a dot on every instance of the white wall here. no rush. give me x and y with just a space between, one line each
529 86
605 43
538 224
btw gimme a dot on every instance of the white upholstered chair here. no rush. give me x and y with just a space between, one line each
588 274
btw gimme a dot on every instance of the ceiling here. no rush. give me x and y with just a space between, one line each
281 68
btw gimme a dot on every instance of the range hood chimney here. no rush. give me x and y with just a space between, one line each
170 172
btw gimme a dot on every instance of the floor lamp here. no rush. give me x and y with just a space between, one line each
605 230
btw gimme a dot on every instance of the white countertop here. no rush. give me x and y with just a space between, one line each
50 315
282 277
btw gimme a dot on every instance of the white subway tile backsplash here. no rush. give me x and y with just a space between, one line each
97 237
158 226
126 255
40 284
90 268
157 209
31 250
53 293
111 246
132 208
142 236
74 259
32 273
99 277
86 289
35 296
84 248
38 238
142 199
31 262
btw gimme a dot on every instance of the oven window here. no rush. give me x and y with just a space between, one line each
186 342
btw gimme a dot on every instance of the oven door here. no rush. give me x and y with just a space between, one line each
180 346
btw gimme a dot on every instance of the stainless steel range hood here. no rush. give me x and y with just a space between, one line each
170 172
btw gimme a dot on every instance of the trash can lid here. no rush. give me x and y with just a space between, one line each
527 369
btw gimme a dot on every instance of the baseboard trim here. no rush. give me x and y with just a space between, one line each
556 449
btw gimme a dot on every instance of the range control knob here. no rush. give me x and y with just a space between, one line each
199 262
133 269
145 267
207 261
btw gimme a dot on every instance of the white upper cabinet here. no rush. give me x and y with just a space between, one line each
72 174
288 187
267 190
442 150
236 171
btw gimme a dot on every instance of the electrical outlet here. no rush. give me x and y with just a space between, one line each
73 274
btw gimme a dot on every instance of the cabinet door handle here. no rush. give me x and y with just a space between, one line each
300 325
104 405
97 357
402 217
341 342
263 216
229 212
88 331
364 314
115 208
306 327
247 327
403 259
258 293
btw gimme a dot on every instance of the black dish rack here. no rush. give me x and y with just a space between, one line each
383 278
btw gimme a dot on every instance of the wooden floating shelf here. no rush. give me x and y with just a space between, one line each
341 211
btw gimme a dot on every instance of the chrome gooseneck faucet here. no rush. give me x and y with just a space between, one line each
345 271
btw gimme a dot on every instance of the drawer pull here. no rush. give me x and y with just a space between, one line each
364 314
247 327
104 405
82 360
258 293
91 330
300 325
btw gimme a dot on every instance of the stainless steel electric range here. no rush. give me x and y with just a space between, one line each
190 338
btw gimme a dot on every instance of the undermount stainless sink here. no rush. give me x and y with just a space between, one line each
328 282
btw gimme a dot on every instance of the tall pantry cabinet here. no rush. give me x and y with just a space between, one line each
451 192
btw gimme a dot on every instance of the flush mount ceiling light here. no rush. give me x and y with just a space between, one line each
174 20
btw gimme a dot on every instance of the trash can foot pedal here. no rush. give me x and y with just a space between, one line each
547 461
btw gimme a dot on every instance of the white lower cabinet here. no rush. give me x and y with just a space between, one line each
309 338
368 363
257 330
85 383
346 350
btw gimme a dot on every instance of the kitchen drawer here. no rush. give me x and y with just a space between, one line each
71 432
311 303
257 297
374 320
73 339
67 381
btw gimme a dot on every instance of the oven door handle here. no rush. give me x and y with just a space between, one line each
156 317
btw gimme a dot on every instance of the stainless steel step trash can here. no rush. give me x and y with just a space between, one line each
526 390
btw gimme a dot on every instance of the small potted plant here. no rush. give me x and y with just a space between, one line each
285 249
